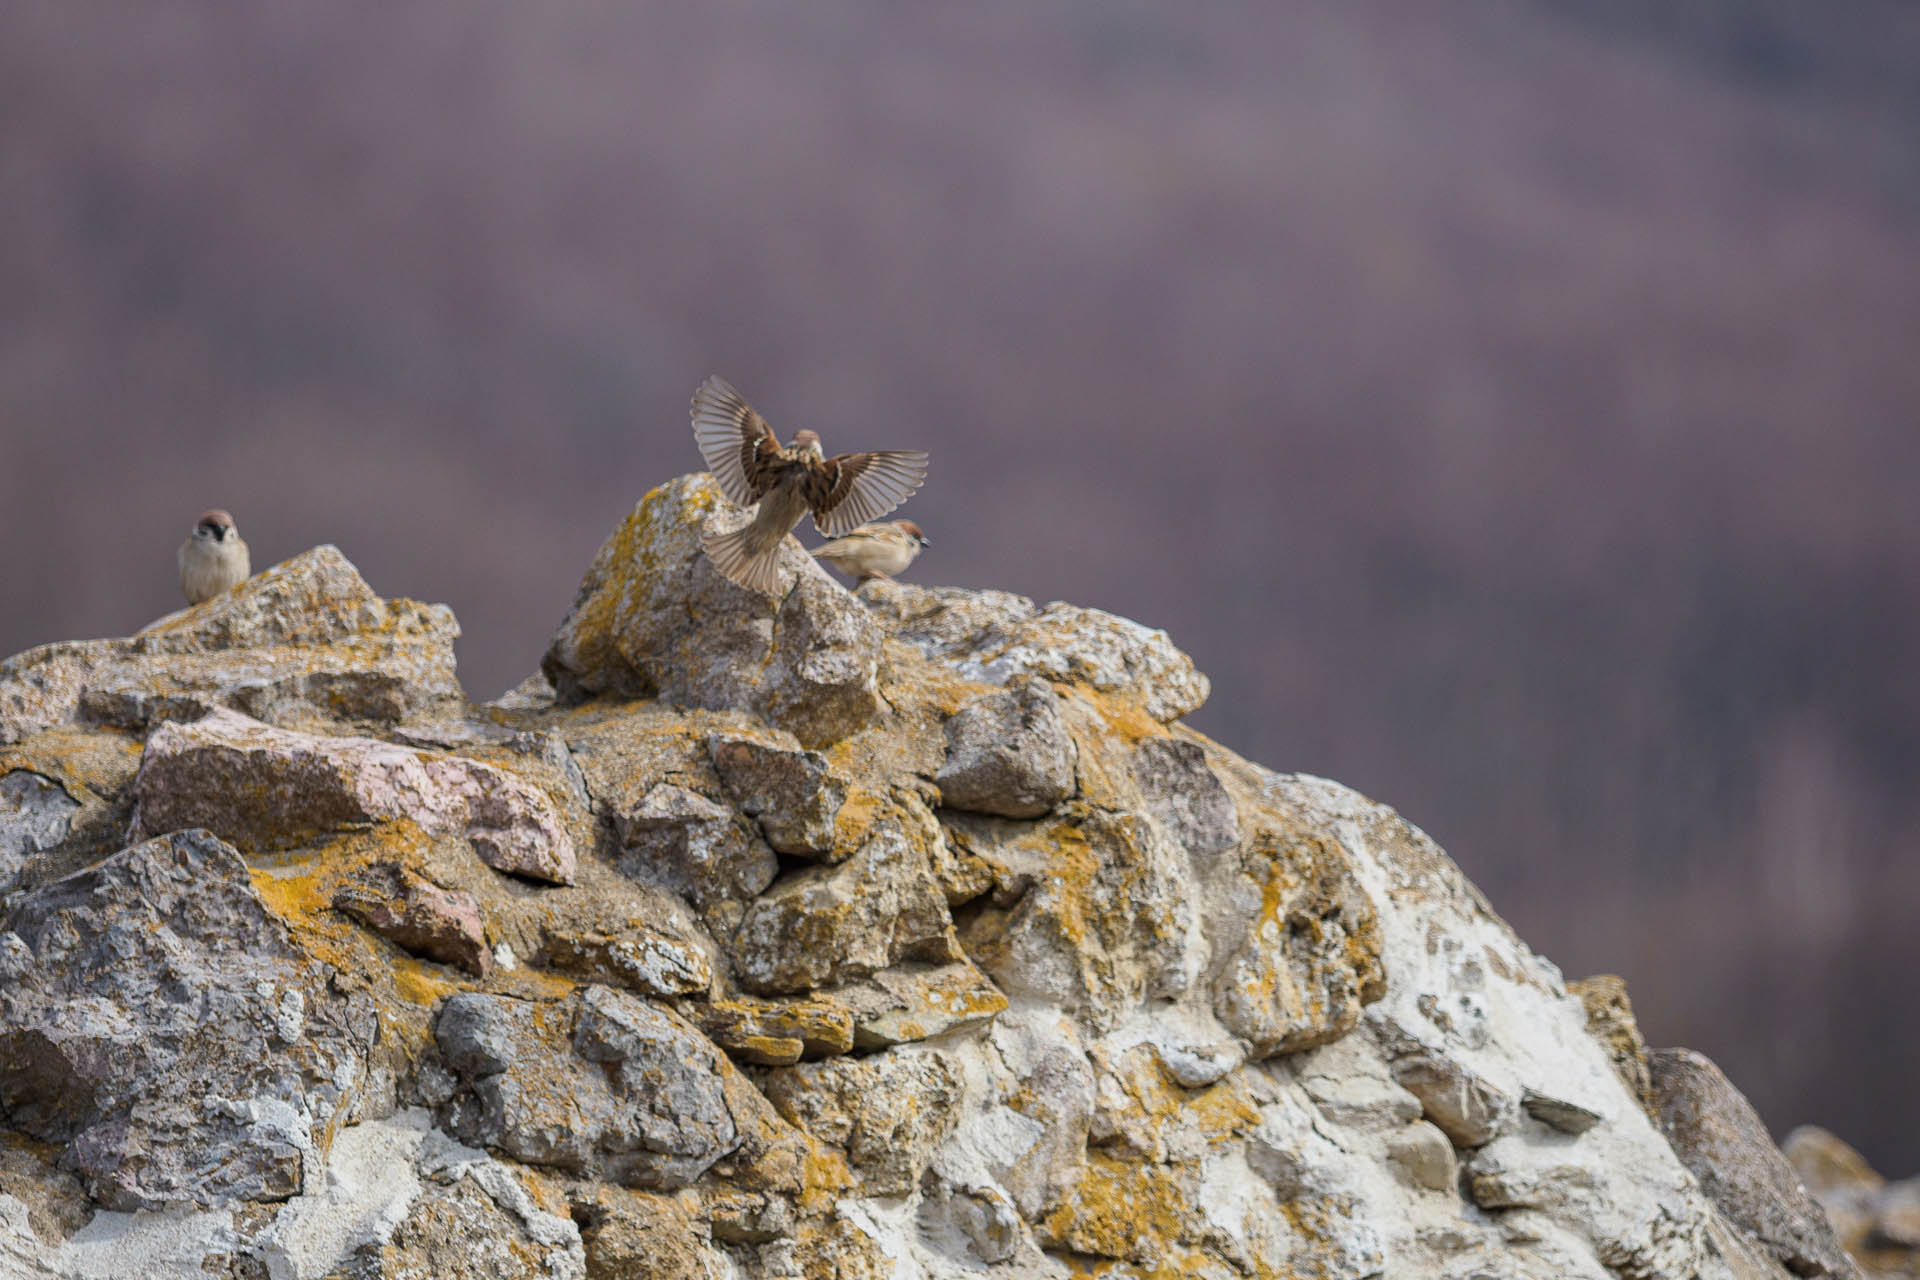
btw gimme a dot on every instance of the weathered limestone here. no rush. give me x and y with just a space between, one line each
305 639
35 812
158 1023
600 1084
266 788
418 916
1008 754
653 618
789 793
903 935
997 638
827 925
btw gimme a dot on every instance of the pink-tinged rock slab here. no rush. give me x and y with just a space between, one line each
418 916
260 787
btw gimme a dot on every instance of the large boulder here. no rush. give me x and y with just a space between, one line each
161 1026
602 1083
998 638
267 788
654 618
1717 1133
306 639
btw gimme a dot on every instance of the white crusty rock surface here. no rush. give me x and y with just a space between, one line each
904 933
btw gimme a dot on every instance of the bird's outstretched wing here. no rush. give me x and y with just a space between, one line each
852 489
736 442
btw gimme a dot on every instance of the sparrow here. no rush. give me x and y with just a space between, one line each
875 550
842 492
213 559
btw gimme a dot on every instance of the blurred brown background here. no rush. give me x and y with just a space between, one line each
1511 403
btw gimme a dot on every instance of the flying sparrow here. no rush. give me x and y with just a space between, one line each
746 459
875 550
213 559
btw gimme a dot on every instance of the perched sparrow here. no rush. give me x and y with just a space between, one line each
842 492
875 550
213 559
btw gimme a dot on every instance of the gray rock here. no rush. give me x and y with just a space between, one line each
653 618
1470 1111
1425 1156
268 788
599 1084
1716 1133
828 925
640 958
34 814
1558 1113
305 638
997 638
149 1021
683 842
890 1111
1183 794
1093 912
789 793
1298 954
1008 754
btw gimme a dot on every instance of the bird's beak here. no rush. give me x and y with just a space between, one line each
924 540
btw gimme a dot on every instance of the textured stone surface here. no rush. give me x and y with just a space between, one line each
158 1022
889 1111
1090 912
418 916
1008 753
1302 955
1717 1133
827 925
600 1083
685 843
305 638
653 618
1186 1017
998 638
267 788
789 793
35 812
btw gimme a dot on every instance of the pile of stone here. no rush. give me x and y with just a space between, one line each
905 933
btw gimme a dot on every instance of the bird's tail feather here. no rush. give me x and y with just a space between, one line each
744 561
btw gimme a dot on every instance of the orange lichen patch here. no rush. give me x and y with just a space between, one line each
1122 1210
856 818
825 1175
1125 719
87 762
418 982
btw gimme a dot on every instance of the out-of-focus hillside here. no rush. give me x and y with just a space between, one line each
1512 407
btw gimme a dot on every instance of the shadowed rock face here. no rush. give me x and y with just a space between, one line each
158 1022
899 933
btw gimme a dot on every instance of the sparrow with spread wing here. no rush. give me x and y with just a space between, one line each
842 492
875 550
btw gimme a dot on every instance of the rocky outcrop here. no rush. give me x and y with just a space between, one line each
1878 1221
305 639
899 933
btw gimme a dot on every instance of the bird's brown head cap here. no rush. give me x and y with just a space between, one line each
215 524
912 530
806 440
